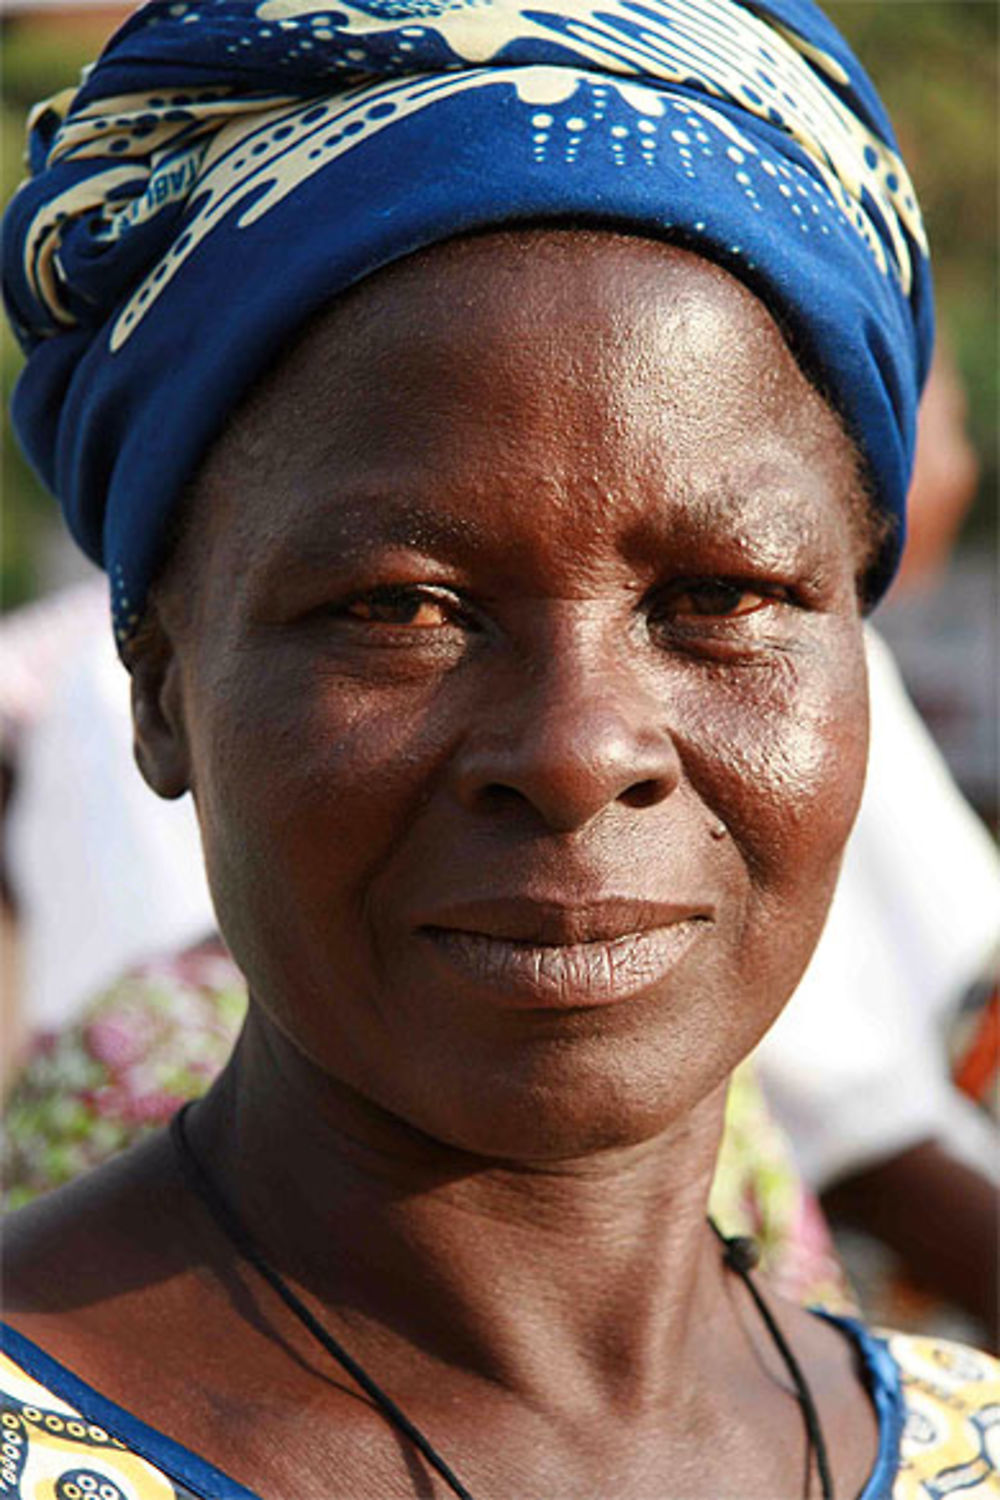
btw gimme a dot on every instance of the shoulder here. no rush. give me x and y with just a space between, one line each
72 1257
59 1437
110 1284
951 1406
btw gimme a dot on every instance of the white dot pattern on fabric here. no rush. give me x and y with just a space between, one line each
700 41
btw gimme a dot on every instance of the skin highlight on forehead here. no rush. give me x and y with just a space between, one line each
585 266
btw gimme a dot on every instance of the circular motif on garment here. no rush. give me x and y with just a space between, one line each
13 1453
84 1484
920 1429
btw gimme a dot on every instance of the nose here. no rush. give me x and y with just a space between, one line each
581 733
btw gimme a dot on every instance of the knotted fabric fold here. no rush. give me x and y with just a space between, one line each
228 166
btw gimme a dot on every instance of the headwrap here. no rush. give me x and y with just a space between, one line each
228 166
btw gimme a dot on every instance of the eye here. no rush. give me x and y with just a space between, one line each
714 598
417 607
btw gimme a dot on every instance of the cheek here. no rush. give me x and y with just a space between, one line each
304 784
785 745
780 756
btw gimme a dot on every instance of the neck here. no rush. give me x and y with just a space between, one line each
585 1275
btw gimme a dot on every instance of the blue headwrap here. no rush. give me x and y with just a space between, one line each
230 165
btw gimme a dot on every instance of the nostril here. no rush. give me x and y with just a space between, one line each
644 793
496 796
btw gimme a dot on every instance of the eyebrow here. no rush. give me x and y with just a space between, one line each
773 513
363 523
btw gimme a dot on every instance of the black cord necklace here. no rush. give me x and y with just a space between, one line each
739 1253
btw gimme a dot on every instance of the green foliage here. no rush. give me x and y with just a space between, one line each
36 62
935 64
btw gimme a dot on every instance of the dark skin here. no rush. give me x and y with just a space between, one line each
514 658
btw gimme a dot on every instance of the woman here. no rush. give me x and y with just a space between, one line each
490 569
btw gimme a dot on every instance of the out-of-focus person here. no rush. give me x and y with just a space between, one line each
101 874
857 1068
865 1066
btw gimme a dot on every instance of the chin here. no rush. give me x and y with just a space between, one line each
574 1109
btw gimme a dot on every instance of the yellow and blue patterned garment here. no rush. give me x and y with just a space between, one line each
938 1407
229 166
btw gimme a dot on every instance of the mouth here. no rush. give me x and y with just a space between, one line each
562 958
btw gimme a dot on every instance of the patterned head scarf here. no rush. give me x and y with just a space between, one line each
228 166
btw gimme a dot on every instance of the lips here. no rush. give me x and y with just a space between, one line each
533 954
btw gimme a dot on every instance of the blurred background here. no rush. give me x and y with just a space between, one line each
86 1074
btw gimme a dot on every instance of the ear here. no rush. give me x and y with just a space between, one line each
159 728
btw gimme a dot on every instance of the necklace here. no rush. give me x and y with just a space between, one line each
739 1253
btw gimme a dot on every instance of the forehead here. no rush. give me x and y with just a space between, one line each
597 379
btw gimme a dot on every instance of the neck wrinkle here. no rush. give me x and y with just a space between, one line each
400 1242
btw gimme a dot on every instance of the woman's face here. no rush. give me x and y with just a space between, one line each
514 658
